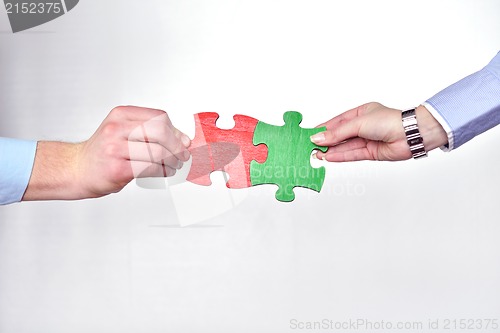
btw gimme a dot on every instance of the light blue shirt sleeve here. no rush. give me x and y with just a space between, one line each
470 106
16 163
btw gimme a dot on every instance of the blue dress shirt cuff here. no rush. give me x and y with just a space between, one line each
16 163
443 123
470 106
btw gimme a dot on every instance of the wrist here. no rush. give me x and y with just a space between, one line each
433 134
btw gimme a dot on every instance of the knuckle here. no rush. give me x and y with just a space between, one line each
375 105
110 128
117 110
164 115
158 115
112 150
159 112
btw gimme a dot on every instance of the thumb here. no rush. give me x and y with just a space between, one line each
336 135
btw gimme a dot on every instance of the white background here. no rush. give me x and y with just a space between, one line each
407 241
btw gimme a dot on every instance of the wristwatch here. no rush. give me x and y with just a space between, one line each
412 134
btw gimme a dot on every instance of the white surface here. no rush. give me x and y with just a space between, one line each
122 264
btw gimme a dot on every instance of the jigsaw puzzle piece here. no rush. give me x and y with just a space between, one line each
288 163
228 150
203 160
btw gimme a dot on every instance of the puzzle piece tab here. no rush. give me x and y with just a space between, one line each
228 150
288 162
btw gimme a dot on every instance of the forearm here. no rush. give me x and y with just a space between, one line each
55 173
131 142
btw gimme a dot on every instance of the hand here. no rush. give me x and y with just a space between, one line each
375 132
131 142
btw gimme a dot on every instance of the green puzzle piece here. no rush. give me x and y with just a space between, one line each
288 163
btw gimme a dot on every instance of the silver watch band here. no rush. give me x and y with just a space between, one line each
412 134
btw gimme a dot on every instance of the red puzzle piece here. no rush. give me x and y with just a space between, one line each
228 150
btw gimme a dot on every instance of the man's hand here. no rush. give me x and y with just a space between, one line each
131 142
375 132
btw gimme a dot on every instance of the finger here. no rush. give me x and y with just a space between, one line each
170 138
153 153
157 130
352 144
145 169
159 126
348 156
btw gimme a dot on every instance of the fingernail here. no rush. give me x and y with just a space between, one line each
186 155
185 140
318 137
315 156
